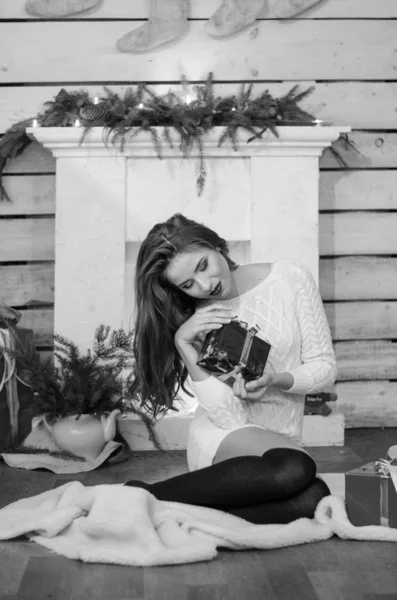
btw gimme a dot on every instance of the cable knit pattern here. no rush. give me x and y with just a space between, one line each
227 410
288 309
317 354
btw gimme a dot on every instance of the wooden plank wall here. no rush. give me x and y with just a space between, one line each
346 48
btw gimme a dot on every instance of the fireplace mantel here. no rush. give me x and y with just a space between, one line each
262 198
292 141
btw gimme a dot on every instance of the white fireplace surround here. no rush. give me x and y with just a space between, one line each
262 198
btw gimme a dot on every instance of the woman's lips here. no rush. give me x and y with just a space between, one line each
217 290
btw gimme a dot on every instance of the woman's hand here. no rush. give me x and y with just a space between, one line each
252 391
204 320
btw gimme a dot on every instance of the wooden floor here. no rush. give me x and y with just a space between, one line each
328 570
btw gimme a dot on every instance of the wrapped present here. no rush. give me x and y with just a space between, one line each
234 348
371 494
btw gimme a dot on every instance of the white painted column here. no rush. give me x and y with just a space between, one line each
284 210
89 246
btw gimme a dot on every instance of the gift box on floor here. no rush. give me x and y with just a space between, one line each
371 494
234 348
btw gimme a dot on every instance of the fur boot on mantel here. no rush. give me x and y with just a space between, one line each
233 16
167 21
48 9
288 9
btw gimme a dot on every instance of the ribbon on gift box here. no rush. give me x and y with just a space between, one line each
386 470
247 343
234 369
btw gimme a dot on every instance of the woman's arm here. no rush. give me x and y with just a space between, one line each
317 354
223 408
282 381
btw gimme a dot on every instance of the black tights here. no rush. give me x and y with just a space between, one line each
278 487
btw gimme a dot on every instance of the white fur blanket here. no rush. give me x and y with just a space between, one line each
129 526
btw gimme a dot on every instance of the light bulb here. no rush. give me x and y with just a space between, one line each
77 123
141 105
318 122
35 123
96 100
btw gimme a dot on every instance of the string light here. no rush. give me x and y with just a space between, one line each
143 106
77 123
96 100
35 123
188 99
233 108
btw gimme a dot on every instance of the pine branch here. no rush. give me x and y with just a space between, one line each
63 454
13 143
167 136
156 140
244 96
201 170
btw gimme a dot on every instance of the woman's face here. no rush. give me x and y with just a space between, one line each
201 273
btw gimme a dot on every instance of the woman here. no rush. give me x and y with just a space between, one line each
244 452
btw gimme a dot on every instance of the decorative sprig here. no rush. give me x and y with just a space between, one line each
13 143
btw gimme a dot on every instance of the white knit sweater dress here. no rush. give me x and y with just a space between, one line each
288 309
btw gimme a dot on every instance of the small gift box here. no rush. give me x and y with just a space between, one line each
371 494
234 348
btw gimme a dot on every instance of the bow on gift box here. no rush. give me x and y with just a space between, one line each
386 469
232 349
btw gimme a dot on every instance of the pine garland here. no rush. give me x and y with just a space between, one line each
141 109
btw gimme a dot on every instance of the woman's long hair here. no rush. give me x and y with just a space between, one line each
162 308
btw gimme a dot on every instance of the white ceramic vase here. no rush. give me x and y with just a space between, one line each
84 435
